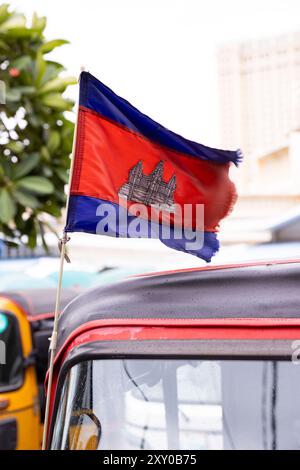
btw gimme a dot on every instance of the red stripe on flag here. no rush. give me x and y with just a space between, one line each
106 151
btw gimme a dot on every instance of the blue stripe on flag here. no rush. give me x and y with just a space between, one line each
101 99
82 217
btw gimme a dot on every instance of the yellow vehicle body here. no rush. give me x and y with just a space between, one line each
23 404
29 320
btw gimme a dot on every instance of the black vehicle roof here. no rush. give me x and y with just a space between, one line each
265 290
39 301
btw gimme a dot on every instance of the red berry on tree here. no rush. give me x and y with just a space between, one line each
13 72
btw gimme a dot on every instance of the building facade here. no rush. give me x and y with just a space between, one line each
259 83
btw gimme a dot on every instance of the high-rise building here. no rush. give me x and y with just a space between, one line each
259 84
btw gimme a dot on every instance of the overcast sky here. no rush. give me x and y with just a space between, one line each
161 54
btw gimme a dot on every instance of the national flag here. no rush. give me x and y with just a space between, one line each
129 165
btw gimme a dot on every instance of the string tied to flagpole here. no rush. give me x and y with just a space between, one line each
63 241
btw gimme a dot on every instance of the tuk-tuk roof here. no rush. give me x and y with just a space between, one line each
39 303
257 290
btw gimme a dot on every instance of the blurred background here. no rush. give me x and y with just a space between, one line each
226 74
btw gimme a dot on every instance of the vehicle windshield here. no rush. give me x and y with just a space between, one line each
179 404
11 371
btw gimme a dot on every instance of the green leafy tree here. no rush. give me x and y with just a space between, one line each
35 134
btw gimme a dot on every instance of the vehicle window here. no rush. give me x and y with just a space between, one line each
11 370
179 404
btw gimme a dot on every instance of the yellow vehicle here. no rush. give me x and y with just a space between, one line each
26 320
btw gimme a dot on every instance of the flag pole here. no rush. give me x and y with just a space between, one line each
53 339
63 256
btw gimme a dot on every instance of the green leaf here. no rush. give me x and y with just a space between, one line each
35 120
13 95
14 21
4 13
60 196
21 63
50 45
42 234
52 71
55 100
38 23
57 84
36 184
7 206
26 165
40 67
54 141
15 147
53 209
26 90
32 237
62 174
45 154
19 32
26 199
11 244
3 46
7 167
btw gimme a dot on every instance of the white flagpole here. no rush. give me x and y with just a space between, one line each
53 341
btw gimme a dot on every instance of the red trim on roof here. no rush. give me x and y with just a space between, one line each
220 267
228 328
183 333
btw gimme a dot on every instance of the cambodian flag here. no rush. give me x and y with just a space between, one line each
132 177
